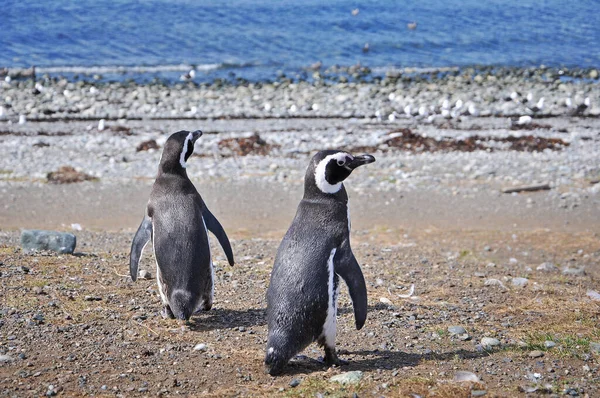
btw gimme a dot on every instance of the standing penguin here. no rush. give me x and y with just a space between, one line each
314 253
177 220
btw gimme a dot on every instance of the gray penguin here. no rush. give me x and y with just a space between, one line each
177 220
314 253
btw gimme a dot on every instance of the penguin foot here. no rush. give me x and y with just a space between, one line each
331 358
166 313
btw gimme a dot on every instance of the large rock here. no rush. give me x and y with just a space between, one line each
348 377
34 239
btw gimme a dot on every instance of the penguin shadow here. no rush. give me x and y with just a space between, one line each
375 359
223 318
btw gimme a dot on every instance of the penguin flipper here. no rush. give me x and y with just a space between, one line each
213 225
141 238
347 267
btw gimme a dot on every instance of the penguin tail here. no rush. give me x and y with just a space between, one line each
182 304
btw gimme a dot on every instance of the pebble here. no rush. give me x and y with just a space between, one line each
494 282
463 375
519 282
489 342
580 271
5 358
295 382
33 240
594 295
549 344
352 377
144 274
200 347
548 267
536 354
456 330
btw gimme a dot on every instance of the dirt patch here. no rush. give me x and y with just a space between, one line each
68 175
244 146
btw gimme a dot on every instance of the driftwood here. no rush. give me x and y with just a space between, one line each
527 188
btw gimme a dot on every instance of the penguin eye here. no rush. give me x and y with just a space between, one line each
341 162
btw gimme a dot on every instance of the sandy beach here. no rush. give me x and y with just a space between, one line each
519 270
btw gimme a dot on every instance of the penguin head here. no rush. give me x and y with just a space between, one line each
328 169
178 148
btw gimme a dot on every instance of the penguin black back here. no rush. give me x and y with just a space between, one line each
177 221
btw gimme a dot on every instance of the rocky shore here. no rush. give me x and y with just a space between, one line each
468 91
483 200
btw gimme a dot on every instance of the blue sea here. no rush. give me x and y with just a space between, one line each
257 40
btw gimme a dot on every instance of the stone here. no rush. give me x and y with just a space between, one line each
348 377
456 330
200 347
580 271
34 240
295 383
144 274
594 295
494 282
463 375
536 354
489 342
519 282
549 344
547 267
5 358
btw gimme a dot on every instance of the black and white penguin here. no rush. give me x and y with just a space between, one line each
314 253
177 220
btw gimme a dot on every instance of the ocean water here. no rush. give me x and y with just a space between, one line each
258 39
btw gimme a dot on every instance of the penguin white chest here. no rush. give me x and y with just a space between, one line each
330 325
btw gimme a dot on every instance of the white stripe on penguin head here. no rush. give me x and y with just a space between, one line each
184 151
320 179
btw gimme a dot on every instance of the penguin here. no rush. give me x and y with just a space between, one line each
177 220
314 253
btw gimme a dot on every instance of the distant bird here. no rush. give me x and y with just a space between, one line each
408 110
355 12
188 76
458 104
22 119
514 96
473 111
580 108
392 116
7 79
423 111
446 104
529 98
101 125
366 48
411 25
569 102
316 66
538 107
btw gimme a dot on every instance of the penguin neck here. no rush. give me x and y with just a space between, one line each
313 192
171 167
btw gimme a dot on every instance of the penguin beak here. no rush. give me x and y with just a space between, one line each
359 161
196 134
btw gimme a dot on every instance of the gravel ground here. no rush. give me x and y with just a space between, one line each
77 325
